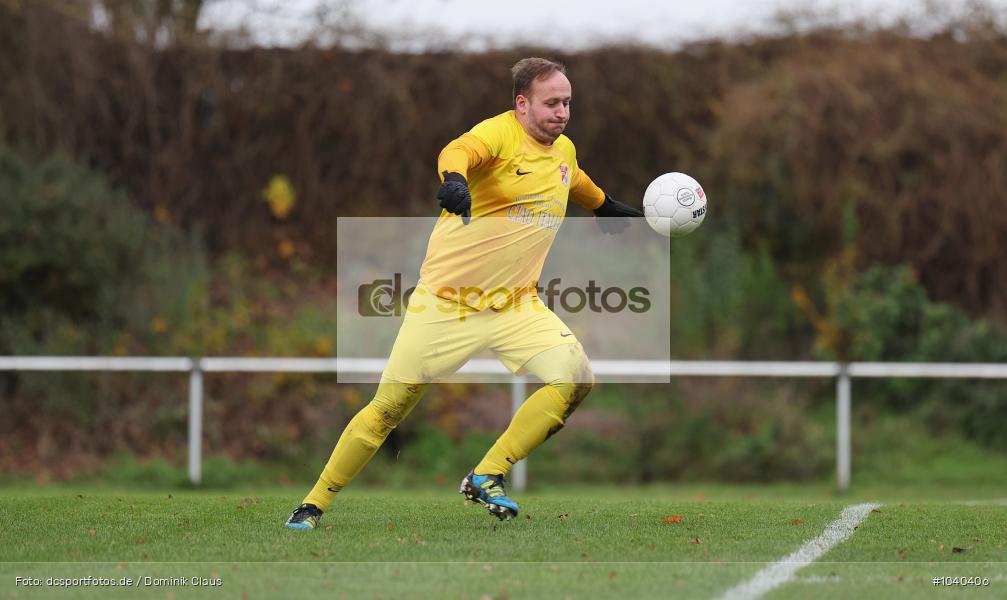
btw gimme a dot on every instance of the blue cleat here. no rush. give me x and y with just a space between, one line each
305 516
488 490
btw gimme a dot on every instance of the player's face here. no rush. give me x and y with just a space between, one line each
546 109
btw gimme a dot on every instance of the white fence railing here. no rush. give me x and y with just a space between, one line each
195 367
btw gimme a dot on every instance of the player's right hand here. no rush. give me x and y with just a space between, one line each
454 196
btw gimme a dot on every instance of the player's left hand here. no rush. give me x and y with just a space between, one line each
612 215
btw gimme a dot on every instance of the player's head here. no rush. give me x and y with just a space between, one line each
541 97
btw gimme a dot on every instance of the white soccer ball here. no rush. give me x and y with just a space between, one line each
674 204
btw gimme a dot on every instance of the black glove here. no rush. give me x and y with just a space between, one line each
454 196
613 215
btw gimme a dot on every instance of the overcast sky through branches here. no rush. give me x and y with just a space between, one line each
570 24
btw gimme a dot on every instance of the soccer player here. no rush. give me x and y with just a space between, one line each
504 192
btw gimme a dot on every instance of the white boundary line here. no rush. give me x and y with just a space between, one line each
783 570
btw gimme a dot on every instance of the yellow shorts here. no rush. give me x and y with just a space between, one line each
438 336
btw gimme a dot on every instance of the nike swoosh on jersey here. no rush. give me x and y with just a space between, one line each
520 172
565 334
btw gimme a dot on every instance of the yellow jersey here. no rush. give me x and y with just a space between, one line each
520 189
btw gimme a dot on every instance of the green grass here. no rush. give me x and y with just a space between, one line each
899 550
427 544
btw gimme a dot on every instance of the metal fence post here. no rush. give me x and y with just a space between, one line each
196 422
843 428
519 474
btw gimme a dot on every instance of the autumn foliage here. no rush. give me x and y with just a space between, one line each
809 143
845 168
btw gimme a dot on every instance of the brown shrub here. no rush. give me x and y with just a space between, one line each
791 135
894 146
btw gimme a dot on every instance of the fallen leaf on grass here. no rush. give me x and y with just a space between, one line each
140 541
958 550
247 501
902 553
695 540
896 578
672 519
564 516
612 574
873 510
797 522
92 532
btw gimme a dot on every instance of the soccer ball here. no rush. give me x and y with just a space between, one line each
674 204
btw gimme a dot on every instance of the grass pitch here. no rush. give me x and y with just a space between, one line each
567 543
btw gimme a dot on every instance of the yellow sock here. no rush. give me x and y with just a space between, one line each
362 437
540 416
568 379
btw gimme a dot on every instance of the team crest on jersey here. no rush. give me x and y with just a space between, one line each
564 175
